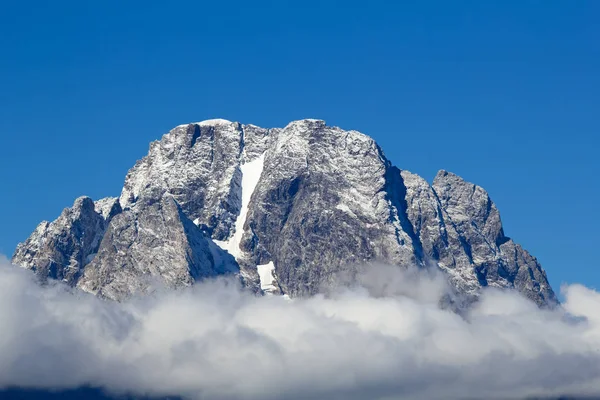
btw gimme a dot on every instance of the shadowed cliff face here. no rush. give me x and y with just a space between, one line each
306 202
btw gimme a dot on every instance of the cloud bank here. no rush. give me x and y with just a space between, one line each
385 338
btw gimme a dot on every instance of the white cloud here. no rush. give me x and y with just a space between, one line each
386 338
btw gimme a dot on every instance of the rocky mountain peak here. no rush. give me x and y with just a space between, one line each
306 124
469 206
60 249
285 209
82 204
152 240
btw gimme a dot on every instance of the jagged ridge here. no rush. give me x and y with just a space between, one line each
307 201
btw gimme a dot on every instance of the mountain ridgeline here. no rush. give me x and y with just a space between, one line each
285 210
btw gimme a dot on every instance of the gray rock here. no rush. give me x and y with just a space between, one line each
325 201
60 249
149 244
300 205
107 207
199 165
460 229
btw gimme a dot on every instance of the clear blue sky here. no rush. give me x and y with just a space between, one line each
505 94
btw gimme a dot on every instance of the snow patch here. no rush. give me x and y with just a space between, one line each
251 172
212 122
208 122
265 273
104 206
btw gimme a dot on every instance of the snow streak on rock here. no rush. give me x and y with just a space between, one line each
251 172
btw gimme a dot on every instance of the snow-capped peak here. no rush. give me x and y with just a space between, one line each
213 122
313 199
208 122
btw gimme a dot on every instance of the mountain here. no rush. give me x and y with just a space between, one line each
286 210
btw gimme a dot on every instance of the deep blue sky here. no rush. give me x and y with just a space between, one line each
505 94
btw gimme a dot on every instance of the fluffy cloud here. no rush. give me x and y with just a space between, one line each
385 338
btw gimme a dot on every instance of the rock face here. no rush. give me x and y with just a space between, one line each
460 230
199 165
60 249
325 200
153 239
286 210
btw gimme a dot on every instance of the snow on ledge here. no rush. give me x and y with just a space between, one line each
265 273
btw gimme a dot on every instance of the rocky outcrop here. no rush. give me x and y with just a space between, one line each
285 209
460 229
199 165
149 241
60 249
